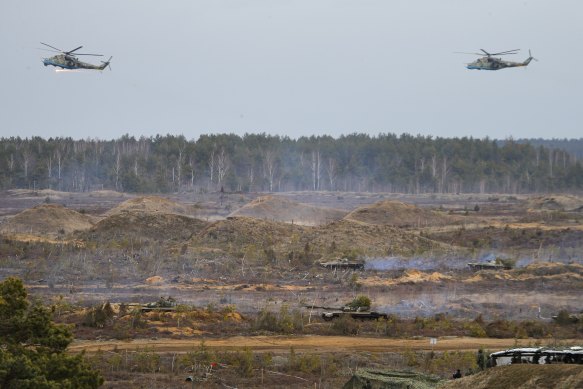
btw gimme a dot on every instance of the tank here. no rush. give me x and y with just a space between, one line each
343 263
164 304
495 264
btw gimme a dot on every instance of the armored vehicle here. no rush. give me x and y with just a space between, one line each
164 304
360 315
495 264
343 263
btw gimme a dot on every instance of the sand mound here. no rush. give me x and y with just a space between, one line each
156 226
154 280
398 214
370 240
150 204
522 376
550 268
27 193
416 276
47 219
107 193
242 231
280 209
412 276
555 272
309 244
555 203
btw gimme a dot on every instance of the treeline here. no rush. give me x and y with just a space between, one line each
260 162
571 146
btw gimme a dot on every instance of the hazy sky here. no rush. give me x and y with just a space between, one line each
292 67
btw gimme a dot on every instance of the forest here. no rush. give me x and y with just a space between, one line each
260 162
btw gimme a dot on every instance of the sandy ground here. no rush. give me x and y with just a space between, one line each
312 344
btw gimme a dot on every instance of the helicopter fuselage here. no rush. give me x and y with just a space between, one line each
70 62
491 63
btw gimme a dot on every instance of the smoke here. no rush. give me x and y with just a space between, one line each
456 263
419 263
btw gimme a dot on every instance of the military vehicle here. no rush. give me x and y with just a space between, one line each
565 317
68 60
343 263
489 62
360 313
164 304
495 264
538 355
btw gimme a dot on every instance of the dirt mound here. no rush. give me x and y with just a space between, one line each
150 204
369 239
107 193
416 276
27 193
522 376
47 219
398 214
238 232
412 276
555 203
156 226
550 268
280 209
154 280
547 271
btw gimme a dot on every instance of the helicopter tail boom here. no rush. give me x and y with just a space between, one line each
105 64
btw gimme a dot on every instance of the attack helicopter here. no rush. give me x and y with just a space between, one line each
490 62
68 60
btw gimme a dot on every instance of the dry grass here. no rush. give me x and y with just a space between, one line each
150 204
280 209
150 225
525 376
48 220
558 202
398 214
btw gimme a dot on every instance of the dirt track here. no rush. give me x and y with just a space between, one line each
313 344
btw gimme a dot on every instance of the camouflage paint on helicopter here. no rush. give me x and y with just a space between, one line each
68 60
489 62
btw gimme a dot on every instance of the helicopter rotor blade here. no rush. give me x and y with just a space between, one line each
52 47
485 52
463 52
95 55
52 51
508 52
71 51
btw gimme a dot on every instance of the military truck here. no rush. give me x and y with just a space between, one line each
167 304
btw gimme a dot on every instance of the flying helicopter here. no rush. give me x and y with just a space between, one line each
490 62
68 60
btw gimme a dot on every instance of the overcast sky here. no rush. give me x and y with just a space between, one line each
292 67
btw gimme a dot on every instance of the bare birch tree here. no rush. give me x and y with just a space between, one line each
270 166
316 169
332 170
222 166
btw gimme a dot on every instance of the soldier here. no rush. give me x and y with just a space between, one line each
457 374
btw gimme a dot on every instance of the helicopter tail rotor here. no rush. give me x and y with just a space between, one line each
530 58
106 64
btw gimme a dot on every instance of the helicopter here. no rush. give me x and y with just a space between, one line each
490 62
68 60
